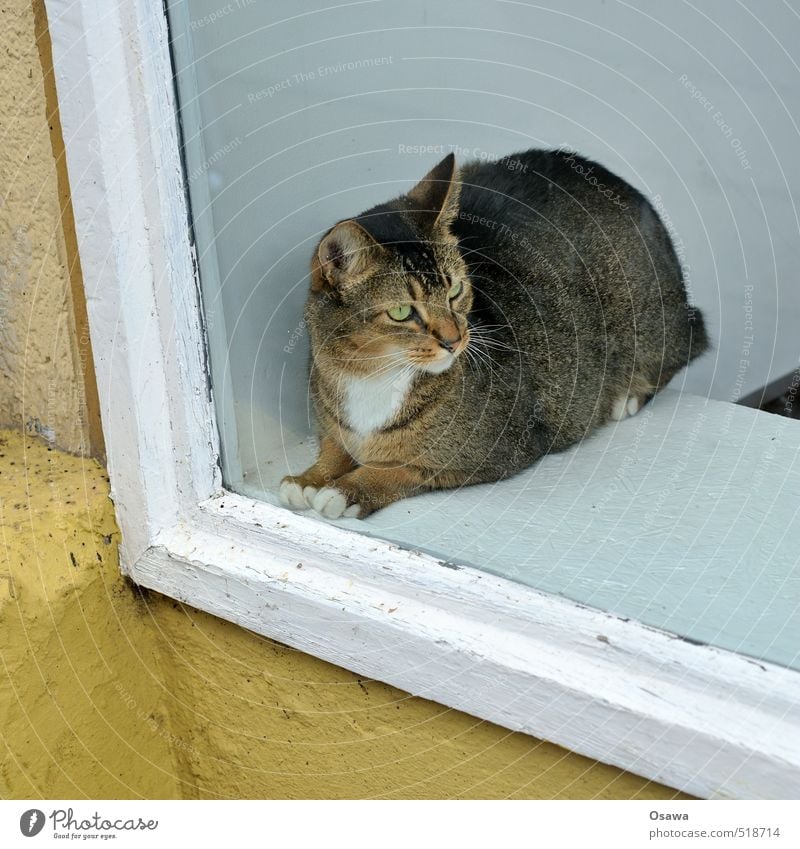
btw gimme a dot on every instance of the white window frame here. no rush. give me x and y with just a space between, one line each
700 719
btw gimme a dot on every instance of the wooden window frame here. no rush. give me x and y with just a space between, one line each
707 721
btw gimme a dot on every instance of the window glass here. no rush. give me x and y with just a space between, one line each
296 115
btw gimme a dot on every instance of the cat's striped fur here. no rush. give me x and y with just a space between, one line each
571 312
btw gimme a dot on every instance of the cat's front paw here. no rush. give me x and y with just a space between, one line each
291 494
332 503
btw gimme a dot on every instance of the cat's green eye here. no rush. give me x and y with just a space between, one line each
455 290
400 313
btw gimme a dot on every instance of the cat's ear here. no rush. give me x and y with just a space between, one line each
344 255
435 197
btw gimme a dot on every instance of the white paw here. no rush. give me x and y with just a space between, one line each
291 495
618 409
624 406
309 493
332 504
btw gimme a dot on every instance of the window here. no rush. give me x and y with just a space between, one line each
426 617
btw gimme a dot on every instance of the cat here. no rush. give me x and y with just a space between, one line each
490 316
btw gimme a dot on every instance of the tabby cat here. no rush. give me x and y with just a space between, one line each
487 317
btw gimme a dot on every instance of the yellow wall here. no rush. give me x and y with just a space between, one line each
107 692
45 354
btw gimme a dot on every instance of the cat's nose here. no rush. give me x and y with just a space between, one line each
449 344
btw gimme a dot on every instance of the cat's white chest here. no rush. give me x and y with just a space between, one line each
370 403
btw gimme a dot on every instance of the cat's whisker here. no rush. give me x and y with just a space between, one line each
368 359
477 360
482 337
485 359
488 336
489 327
499 346
472 359
391 368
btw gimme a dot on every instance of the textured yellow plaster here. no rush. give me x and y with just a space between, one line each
71 633
106 691
42 358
